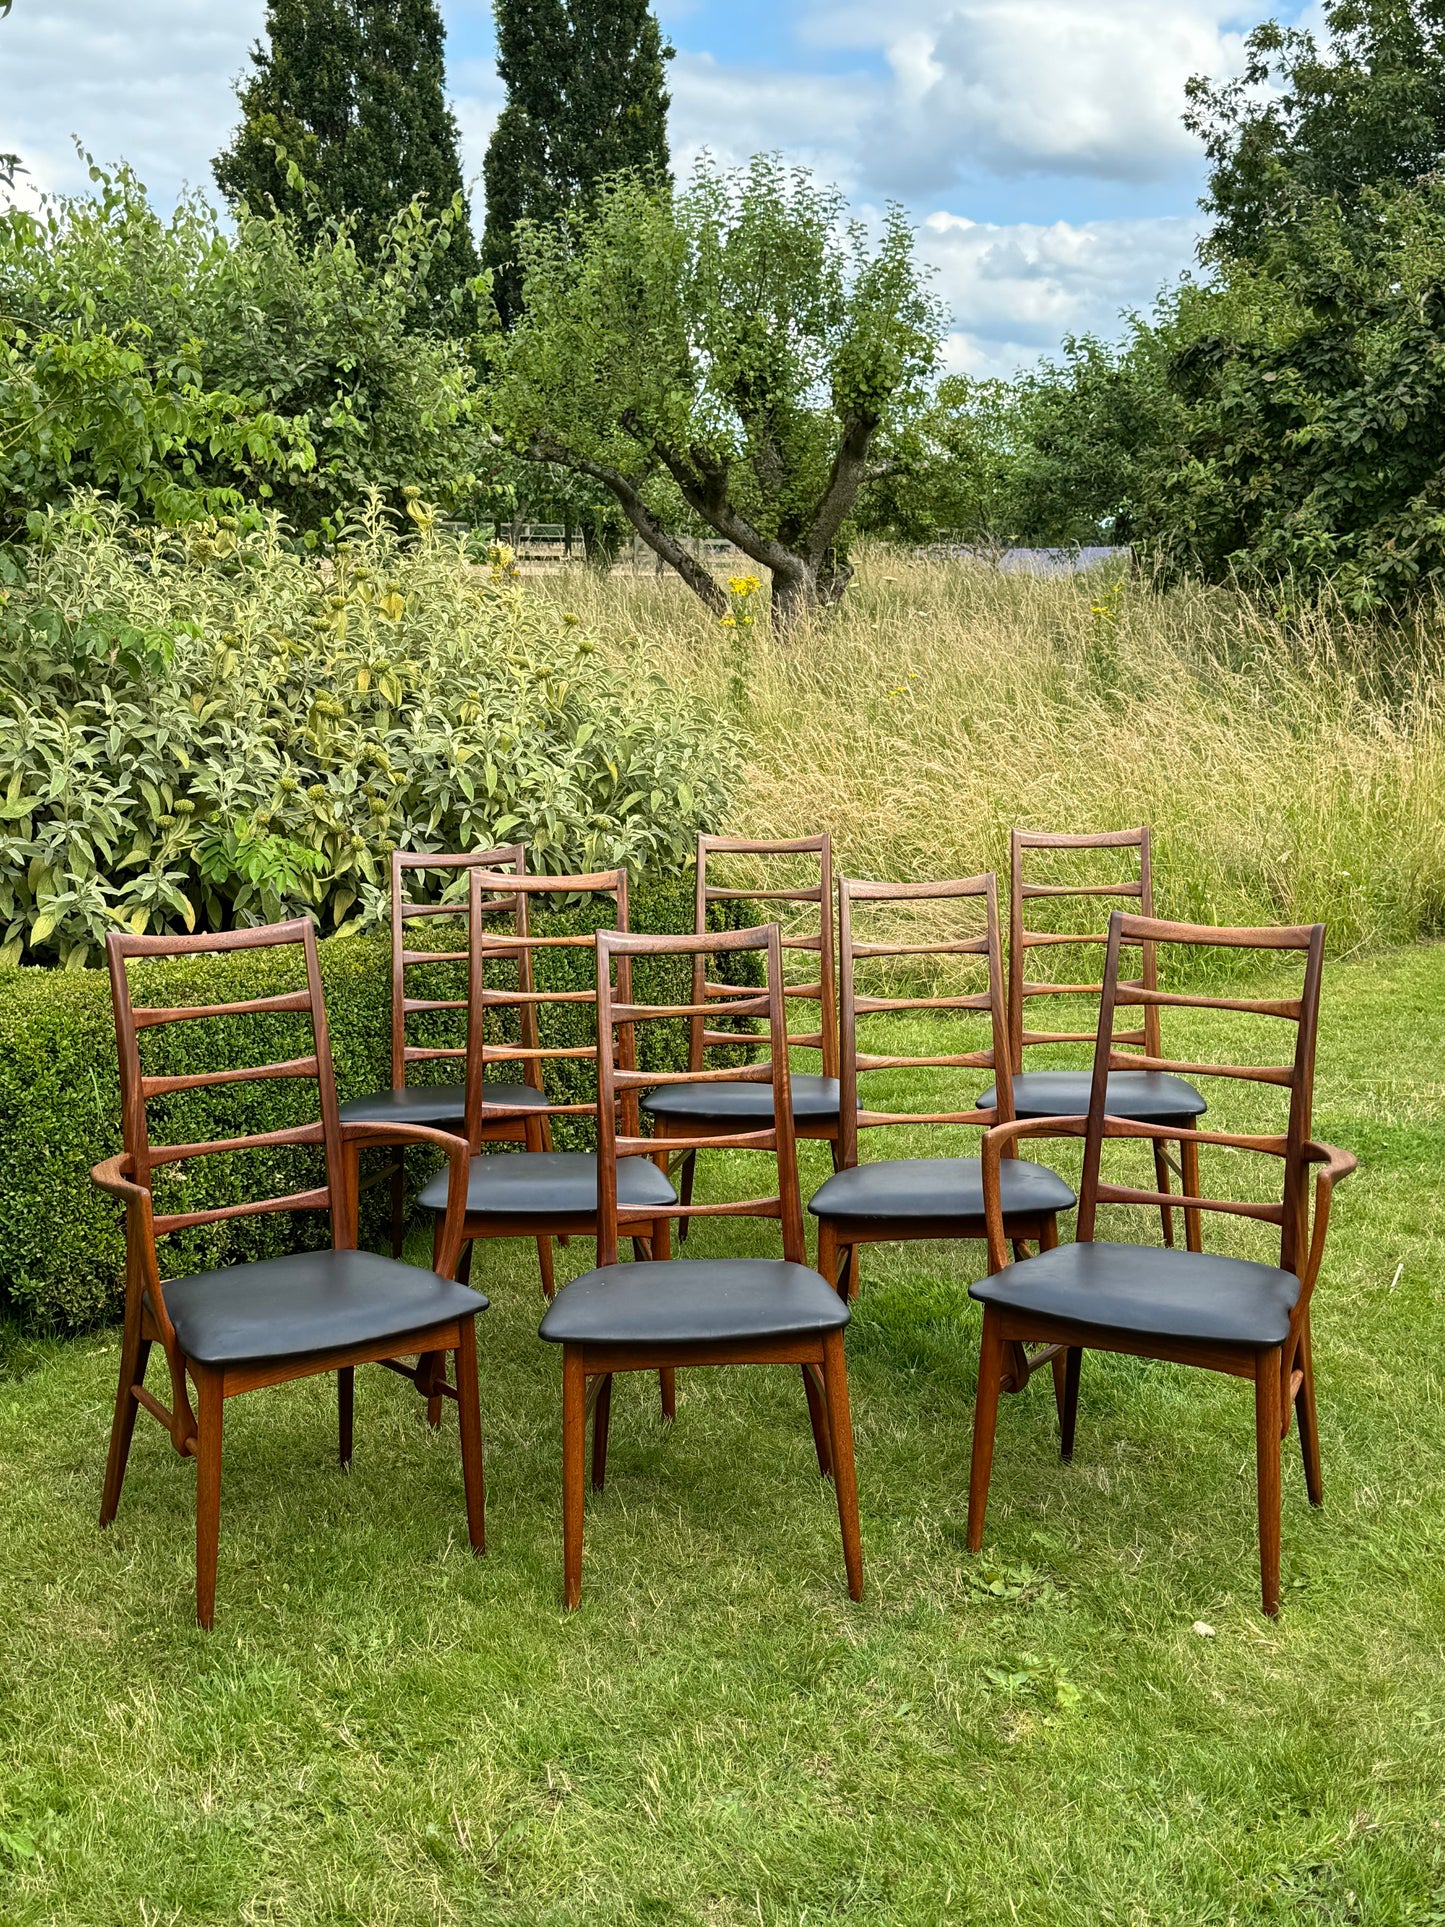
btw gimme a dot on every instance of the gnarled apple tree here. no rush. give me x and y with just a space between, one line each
728 353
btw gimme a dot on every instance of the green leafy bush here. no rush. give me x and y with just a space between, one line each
186 366
62 1250
201 729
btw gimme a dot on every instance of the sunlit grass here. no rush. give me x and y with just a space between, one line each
382 1730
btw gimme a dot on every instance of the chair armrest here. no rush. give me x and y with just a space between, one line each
111 1176
459 1162
999 1141
1337 1167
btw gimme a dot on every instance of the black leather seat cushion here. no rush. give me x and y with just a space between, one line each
308 1301
1145 1097
814 1099
1160 1292
438 1104
697 1301
553 1184
937 1188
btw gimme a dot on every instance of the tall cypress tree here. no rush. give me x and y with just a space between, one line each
585 98
355 92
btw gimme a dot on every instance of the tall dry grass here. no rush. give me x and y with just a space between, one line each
1290 773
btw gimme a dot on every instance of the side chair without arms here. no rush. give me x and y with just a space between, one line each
441 1105
897 1199
704 1311
1189 1307
722 1107
243 1326
1150 1097
535 1193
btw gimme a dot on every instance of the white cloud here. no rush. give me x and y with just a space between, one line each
1014 290
738 111
1075 87
151 84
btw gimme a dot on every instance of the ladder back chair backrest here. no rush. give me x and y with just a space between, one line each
1292 1146
506 856
620 1083
140 1089
822 991
514 949
988 1003
1021 989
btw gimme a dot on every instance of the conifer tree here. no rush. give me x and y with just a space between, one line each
585 99
354 91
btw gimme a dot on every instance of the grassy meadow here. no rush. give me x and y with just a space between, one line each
1092 1723
1289 773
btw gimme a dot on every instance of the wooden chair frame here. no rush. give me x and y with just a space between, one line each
1021 990
702 1036
195 1432
588 1370
515 1129
1283 1375
484 1117
838 1247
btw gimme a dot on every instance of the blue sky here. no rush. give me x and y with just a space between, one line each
1036 142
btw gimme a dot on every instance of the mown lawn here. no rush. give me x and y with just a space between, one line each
383 1730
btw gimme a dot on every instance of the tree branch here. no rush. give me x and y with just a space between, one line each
694 573
836 502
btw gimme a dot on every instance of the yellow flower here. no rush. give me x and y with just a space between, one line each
743 584
728 622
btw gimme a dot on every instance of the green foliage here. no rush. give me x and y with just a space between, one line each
60 1101
1300 124
205 729
184 368
352 93
585 101
1310 435
738 345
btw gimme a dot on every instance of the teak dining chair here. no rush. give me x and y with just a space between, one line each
533 1193
1189 1307
702 1311
243 1326
1150 1097
720 1107
897 1199
441 1105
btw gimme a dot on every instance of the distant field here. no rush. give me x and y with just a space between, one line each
1288 774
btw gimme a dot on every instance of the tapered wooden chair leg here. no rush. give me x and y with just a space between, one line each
134 1354
1309 1430
469 1412
601 1425
1193 1220
828 1253
1268 1424
429 1368
1069 1410
818 1418
684 1192
210 1407
398 1201
666 1376
574 1455
845 1478
985 1419
548 1270
345 1407
1161 1183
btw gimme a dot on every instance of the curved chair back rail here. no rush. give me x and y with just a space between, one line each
1023 990
1228 1315
242 1326
506 857
821 991
620 1083
487 1000
855 895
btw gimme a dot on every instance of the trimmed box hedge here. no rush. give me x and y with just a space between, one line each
62 1244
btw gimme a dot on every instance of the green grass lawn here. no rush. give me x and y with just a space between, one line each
382 1729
